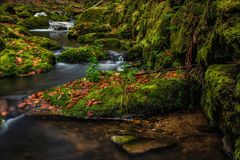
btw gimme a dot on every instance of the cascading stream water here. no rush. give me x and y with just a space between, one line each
116 61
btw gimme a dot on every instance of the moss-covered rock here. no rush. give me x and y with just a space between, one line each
220 100
86 28
45 42
82 54
35 22
91 37
95 14
21 57
113 43
112 98
109 42
123 139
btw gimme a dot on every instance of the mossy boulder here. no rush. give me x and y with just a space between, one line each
82 54
111 97
91 37
95 14
109 42
123 139
86 28
45 42
35 22
21 57
220 100
113 43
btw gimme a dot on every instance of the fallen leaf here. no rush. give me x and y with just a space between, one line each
89 114
22 105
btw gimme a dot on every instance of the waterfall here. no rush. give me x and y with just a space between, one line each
116 56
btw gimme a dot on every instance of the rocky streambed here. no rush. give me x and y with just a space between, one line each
183 136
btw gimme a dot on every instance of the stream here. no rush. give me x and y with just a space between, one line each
56 138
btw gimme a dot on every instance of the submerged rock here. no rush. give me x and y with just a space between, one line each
123 139
138 146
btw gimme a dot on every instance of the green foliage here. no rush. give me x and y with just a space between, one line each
93 74
82 54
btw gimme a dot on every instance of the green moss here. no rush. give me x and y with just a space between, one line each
91 37
218 95
7 61
35 22
2 44
109 42
205 53
230 35
95 14
7 32
120 140
113 43
81 54
157 96
6 19
20 57
220 100
237 151
228 6
45 42
164 60
86 28
57 17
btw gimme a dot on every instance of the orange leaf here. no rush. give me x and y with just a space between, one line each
93 102
104 85
22 105
19 60
89 114
70 105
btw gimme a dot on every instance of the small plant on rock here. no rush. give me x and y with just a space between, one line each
93 74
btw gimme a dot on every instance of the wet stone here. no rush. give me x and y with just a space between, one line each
138 146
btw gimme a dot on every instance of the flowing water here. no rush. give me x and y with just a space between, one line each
37 138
